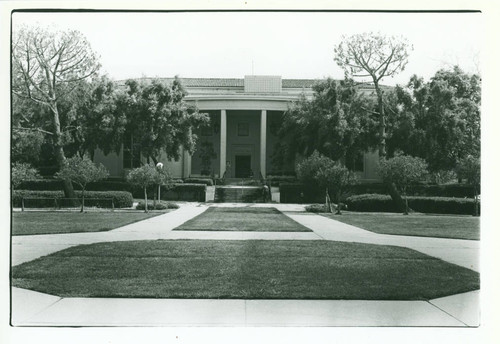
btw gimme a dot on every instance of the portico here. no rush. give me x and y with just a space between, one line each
240 126
240 142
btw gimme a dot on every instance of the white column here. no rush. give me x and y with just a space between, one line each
223 142
263 137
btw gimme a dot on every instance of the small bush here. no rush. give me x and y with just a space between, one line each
121 199
206 181
157 206
317 208
371 202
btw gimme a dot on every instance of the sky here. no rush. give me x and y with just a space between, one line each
235 44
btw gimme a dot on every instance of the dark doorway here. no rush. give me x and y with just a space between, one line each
242 168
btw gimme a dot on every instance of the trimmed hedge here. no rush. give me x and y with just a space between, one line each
445 190
300 193
317 208
432 205
158 206
185 192
121 199
206 181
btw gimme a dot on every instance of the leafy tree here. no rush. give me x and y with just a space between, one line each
439 121
375 56
146 176
469 168
159 119
47 66
82 171
403 170
333 122
327 174
207 154
22 172
98 118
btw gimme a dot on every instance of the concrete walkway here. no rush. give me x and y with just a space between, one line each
30 308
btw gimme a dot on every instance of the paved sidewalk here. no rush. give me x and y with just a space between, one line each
36 309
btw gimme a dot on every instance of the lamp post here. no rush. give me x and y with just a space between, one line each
159 167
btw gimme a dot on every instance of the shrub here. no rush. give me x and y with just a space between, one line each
22 172
121 199
148 176
317 208
206 181
446 190
42 184
81 171
403 170
157 206
431 205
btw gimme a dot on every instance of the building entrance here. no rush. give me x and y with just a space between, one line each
242 168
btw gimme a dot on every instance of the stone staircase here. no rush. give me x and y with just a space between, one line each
239 194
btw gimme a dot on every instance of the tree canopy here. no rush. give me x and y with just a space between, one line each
334 123
159 119
438 120
81 171
402 170
375 56
47 66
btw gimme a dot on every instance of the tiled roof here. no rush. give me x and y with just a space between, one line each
232 82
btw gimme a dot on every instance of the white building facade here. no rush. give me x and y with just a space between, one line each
245 116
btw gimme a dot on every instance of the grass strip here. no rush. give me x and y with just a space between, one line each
438 226
253 269
31 223
242 219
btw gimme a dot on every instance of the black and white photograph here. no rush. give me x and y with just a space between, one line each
255 168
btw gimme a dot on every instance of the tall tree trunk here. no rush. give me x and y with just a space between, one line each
83 199
338 212
69 192
382 148
396 197
391 188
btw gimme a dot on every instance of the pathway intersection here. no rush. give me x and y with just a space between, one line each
37 309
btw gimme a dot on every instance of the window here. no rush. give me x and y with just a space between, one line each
131 153
243 129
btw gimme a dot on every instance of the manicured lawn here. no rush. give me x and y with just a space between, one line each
440 226
242 219
254 269
29 223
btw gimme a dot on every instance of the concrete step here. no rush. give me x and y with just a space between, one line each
239 194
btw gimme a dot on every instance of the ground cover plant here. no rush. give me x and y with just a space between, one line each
248 269
440 226
30 223
242 219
